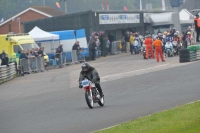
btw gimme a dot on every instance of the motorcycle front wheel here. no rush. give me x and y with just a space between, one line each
89 99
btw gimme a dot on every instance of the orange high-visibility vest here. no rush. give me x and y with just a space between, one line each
198 23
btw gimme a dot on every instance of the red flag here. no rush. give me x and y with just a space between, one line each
107 5
102 5
125 8
58 4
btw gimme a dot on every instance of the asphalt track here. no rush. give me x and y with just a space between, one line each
50 102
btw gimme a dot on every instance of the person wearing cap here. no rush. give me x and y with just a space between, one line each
158 47
197 26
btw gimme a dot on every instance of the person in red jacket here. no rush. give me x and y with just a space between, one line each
158 46
148 42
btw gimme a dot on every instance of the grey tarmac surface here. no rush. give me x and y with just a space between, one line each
51 102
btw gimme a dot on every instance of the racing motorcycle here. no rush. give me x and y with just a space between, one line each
92 95
175 48
168 49
144 52
136 47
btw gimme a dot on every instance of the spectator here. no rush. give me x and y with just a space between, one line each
111 39
27 53
5 60
189 30
131 43
41 52
97 46
101 42
59 49
32 53
36 52
76 46
107 46
197 27
127 40
3 55
23 55
183 39
92 46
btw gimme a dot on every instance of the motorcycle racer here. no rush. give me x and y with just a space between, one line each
91 74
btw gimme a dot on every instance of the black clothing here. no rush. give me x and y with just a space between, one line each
3 55
188 31
5 61
92 45
23 56
92 50
59 49
184 37
76 47
40 52
93 76
111 38
127 38
198 33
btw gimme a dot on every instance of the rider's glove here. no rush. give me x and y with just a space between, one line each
80 86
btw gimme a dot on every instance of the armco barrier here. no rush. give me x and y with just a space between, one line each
7 72
192 53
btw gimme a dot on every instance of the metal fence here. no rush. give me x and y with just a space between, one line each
77 57
115 47
7 72
67 58
34 64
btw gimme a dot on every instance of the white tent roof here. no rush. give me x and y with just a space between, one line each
186 16
40 35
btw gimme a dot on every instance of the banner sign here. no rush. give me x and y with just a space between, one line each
119 18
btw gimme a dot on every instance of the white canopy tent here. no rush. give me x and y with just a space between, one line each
40 35
45 39
186 17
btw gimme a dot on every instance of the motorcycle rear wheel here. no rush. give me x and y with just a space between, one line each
89 100
169 55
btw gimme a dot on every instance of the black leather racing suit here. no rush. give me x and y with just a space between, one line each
93 76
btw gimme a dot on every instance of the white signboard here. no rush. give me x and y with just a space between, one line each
119 18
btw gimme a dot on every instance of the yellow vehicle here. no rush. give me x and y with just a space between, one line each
13 44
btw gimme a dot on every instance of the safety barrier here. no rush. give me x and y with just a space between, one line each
34 64
67 58
115 47
192 53
7 72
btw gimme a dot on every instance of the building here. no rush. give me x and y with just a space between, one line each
15 23
116 22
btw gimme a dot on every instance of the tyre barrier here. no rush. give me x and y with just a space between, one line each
7 72
192 53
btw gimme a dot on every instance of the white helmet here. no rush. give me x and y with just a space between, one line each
177 32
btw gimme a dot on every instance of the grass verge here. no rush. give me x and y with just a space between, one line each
183 119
